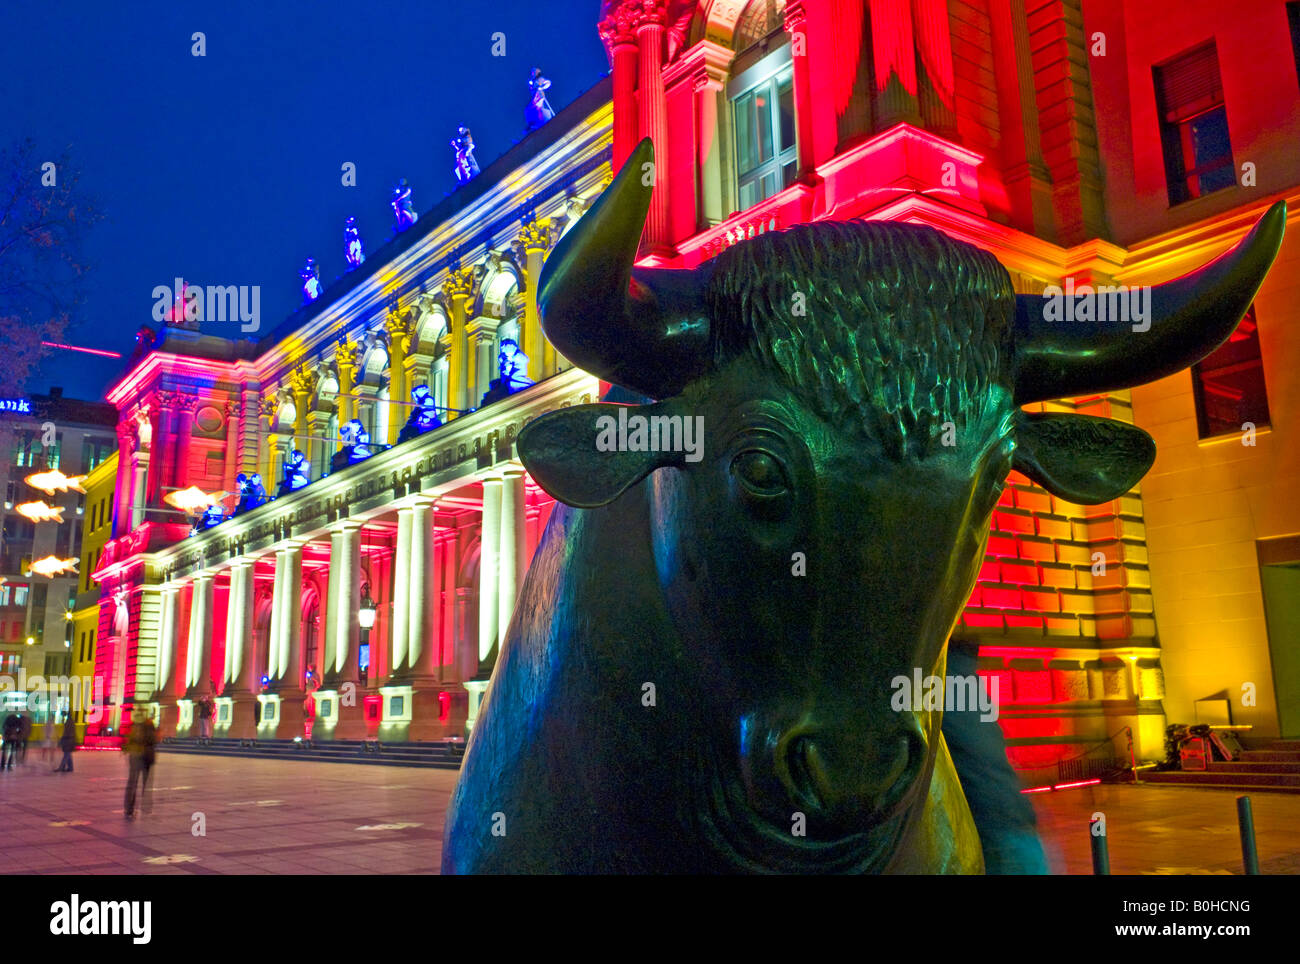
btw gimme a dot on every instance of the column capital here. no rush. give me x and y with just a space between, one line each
536 235
303 380
483 323
347 355
400 329
461 283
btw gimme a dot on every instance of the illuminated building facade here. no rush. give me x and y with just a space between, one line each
39 435
1077 142
96 530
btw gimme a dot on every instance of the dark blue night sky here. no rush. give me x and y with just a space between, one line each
226 169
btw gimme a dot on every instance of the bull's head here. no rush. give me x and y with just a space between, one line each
860 387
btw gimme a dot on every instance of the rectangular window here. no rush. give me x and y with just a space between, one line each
1194 125
20 594
766 154
1229 384
1293 21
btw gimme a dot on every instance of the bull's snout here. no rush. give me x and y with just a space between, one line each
847 782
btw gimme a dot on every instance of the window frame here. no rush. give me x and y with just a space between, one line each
768 71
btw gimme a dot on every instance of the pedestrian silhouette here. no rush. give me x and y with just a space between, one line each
139 747
67 743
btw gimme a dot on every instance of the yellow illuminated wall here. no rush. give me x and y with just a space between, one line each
97 529
1208 503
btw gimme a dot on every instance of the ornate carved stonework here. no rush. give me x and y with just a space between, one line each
347 354
461 282
399 328
535 235
304 379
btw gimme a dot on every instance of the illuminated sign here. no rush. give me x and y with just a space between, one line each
21 405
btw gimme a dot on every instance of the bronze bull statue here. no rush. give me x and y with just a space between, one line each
674 694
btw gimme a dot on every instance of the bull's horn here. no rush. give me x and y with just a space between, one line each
645 329
1189 318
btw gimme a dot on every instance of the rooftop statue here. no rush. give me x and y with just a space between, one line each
403 210
513 366
352 248
423 417
252 492
539 110
310 275
702 670
297 474
463 145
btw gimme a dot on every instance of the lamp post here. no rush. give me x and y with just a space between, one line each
366 620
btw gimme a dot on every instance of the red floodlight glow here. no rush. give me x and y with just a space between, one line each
88 351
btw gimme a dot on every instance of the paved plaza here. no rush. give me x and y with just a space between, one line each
277 817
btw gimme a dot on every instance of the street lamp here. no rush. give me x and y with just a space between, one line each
366 620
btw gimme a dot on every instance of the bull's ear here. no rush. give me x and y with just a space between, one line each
569 454
1082 458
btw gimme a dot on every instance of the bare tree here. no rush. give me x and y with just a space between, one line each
43 219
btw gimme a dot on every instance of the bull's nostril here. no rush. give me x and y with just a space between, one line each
800 772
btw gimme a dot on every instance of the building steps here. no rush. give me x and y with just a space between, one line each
1271 765
439 755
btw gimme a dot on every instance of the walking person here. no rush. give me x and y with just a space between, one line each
67 743
12 735
47 739
205 717
139 747
24 734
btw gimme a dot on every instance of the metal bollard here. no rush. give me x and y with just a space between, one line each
1100 854
1246 822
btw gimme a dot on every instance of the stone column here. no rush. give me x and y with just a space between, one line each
419 639
303 381
291 690
272 667
162 422
534 240
620 44
240 664
199 653
234 412
459 288
184 435
513 539
482 335
347 357
488 569
139 478
796 22
401 614
345 600
169 622
654 115
331 603
398 326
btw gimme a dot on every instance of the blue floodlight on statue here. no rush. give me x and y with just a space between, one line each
403 208
297 474
213 515
310 275
357 440
539 109
424 415
352 248
251 493
513 365
463 145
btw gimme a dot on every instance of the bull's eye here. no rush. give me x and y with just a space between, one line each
761 475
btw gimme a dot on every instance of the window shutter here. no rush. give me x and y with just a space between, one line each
1189 84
